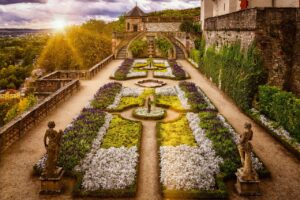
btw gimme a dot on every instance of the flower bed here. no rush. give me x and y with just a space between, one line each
173 71
155 114
172 97
126 71
128 98
198 151
110 169
106 95
187 161
196 99
277 131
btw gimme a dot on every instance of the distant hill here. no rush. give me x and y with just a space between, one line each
13 32
192 12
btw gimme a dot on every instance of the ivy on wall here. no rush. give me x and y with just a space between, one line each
236 72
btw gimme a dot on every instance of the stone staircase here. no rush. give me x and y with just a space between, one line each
151 50
179 52
122 53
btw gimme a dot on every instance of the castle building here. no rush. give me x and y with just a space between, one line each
213 8
138 21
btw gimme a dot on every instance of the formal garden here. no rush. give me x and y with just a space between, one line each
197 151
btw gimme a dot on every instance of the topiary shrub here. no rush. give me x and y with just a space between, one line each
281 106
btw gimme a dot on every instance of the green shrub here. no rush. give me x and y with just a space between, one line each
138 48
237 73
163 45
281 106
195 55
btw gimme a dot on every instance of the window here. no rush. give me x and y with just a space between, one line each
128 26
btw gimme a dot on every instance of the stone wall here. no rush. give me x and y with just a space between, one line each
162 26
276 31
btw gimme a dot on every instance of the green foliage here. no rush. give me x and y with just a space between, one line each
175 133
23 105
138 48
281 106
190 27
79 47
4 108
192 12
17 57
222 142
164 45
169 101
122 132
238 74
195 55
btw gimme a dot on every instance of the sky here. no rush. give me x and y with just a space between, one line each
42 13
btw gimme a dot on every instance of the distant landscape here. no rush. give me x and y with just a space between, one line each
14 32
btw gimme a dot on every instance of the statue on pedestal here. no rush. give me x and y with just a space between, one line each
245 150
247 178
52 143
51 179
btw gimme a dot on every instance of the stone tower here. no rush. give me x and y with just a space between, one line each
134 20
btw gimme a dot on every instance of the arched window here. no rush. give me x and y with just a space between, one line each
128 26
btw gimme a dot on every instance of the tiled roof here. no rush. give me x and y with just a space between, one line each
135 12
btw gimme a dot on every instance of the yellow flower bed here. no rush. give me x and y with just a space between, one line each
176 133
169 101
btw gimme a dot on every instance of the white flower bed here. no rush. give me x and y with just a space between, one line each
167 74
84 165
182 98
125 92
133 74
257 164
166 91
113 168
184 168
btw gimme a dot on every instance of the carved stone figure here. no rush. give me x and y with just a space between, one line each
52 143
245 149
149 104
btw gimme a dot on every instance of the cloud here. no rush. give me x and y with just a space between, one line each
5 2
41 13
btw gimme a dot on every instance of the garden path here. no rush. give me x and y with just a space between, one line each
18 161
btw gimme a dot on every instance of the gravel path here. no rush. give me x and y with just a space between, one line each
16 181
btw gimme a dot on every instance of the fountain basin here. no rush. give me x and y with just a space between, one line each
156 113
151 83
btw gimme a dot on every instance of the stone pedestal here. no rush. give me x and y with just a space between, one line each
52 185
247 188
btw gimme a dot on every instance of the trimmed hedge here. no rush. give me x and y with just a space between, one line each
281 106
236 73
163 45
195 55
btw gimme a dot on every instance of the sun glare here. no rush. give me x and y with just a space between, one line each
59 24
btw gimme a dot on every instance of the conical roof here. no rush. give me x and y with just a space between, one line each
135 12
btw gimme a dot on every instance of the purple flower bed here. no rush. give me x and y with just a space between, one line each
177 70
106 95
195 99
123 70
78 137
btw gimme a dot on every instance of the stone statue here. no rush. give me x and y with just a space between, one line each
149 104
245 149
52 143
